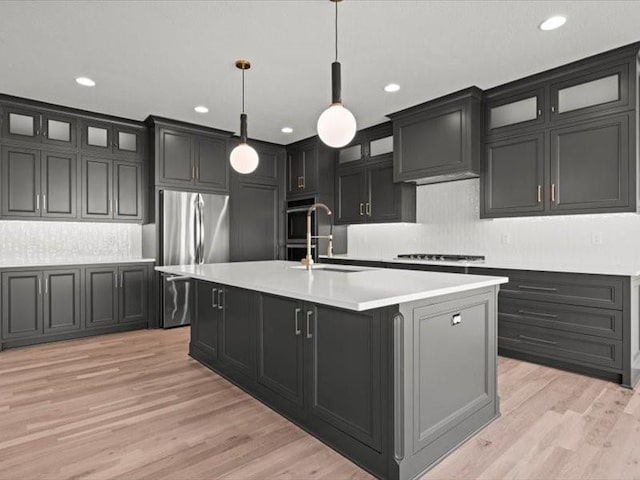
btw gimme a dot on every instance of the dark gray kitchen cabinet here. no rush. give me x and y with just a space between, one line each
280 347
513 177
113 139
515 110
206 323
367 194
189 156
255 219
21 304
101 296
129 142
343 371
97 136
211 163
20 181
132 293
350 195
97 188
302 168
26 124
590 165
59 184
439 140
127 194
237 330
62 301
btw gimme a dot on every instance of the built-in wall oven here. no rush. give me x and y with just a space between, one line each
297 228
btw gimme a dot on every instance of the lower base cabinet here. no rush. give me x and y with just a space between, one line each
40 306
323 367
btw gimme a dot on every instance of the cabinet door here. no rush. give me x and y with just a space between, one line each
101 299
592 92
59 130
237 335
128 142
379 148
59 177
132 294
383 196
61 301
310 173
21 124
127 191
21 304
344 371
590 165
515 111
350 195
513 176
96 188
176 158
97 136
295 171
20 182
206 322
280 354
254 222
211 163
351 155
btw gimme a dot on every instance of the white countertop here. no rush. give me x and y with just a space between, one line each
566 267
360 289
53 262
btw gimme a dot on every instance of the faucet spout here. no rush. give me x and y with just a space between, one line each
308 260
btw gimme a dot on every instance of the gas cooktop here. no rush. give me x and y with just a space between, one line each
439 257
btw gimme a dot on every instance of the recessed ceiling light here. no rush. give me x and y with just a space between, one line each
201 109
85 82
392 87
287 130
553 23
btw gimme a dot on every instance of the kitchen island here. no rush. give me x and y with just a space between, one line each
394 369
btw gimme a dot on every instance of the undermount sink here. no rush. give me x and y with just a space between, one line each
329 268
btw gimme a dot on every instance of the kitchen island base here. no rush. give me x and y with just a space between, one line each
394 389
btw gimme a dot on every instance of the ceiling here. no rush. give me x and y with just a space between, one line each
165 57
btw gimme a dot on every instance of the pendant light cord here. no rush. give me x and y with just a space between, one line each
336 25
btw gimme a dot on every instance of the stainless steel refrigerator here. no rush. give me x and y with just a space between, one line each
195 230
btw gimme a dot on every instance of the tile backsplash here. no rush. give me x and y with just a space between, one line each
57 240
448 221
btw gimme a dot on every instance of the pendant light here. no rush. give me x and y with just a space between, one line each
336 125
243 158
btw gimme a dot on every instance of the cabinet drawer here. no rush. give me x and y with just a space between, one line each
575 289
573 347
587 320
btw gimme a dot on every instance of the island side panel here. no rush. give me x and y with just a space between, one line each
449 372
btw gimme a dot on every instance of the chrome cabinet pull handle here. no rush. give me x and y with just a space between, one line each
121 279
46 286
361 209
214 304
297 321
39 286
309 314
368 209
539 112
542 289
220 294
528 312
303 182
553 108
553 192
37 201
539 193
536 340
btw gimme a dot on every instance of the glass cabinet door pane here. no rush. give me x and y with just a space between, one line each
21 124
381 146
57 130
97 137
350 154
511 113
127 141
596 92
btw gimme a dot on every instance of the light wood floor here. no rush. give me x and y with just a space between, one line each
134 406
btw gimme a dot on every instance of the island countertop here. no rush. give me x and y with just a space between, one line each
352 288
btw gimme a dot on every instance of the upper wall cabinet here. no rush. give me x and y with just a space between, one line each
438 141
564 141
38 126
310 169
189 157
113 139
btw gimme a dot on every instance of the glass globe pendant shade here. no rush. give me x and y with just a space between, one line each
336 126
244 158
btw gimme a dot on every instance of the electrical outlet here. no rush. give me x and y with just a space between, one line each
596 238
506 239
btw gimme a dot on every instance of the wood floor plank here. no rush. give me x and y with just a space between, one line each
134 406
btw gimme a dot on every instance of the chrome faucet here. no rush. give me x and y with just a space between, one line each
308 260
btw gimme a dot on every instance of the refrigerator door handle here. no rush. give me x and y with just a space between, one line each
201 237
196 230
